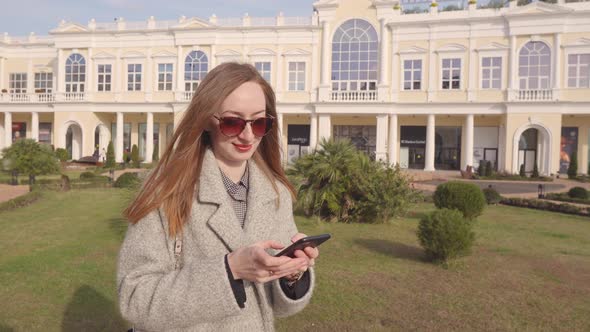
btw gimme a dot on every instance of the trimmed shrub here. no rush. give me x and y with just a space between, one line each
445 234
61 154
489 168
578 192
87 175
521 172
110 163
465 197
20 201
535 171
128 180
156 154
547 206
572 170
492 196
481 169
135 156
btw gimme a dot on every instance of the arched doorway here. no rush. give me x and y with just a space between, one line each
101 141
74 141
532 145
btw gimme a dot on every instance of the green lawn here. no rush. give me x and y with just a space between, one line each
530 270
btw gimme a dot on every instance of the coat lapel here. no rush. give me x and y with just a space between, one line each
223 221
261 205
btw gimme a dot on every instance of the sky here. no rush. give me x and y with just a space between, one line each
21 17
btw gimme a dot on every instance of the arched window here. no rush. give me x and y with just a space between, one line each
354 57
195 69
534 66
75 73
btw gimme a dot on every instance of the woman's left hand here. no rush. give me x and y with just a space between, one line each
308 253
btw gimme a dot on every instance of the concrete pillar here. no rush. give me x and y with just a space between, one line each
325 78
383 53
149 138
468 141
395 67
280 124
432 86
280 70
324 127
119 140
7 129
472 84
382 137
313 131
2 73
61 71
556 63
30 77
179 70
430 137
35 126
512 68
148 81
392 142
117 80
90 84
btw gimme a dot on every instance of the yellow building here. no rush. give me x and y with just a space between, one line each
441 89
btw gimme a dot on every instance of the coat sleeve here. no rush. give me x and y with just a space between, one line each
283 306
155 296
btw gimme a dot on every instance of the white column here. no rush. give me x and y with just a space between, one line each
556 63
7 129
280 70
2 59
147 76
149 138
432 87
90 88
512 68
380 148
324 126
212 58
61 72
280 125
325 78
179 70
395 67
30 77
430 136
314 71
468 141
313 131
471 90
383 53
35 126
392 142
119 140
117 83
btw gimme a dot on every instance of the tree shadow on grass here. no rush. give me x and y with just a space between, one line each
89 310
393 249
4 328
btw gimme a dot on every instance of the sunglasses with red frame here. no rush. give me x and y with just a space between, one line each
232 126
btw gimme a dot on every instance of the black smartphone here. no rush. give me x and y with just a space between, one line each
309 241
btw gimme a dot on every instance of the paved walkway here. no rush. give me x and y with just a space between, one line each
8 192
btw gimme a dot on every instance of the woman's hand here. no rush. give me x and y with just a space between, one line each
308 253
254 264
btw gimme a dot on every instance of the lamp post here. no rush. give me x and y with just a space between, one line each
14 180
540 191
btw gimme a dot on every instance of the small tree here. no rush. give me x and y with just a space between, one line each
535 171
135 156
110 156
156 154
29 157
522 173
572 170
489 168
61 154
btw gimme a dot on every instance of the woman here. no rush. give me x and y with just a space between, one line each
198 252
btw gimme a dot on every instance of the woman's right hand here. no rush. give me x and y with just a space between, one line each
254 264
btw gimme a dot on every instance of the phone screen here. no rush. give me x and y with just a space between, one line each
309 241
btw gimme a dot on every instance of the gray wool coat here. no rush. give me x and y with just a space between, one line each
155 296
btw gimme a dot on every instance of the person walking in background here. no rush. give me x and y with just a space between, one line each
198 251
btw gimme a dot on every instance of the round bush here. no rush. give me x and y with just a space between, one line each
87 175
61 154
127 180
465 197
445 234
492 196
578 192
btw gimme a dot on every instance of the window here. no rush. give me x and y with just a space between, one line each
165 77
75 73
451 74
354 56
578 71
296 76
45 132
134 77
104 78
264 69
534 64
195 68
412 74
43 82
126 136
491 72
18 83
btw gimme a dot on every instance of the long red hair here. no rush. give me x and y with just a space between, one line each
175 180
